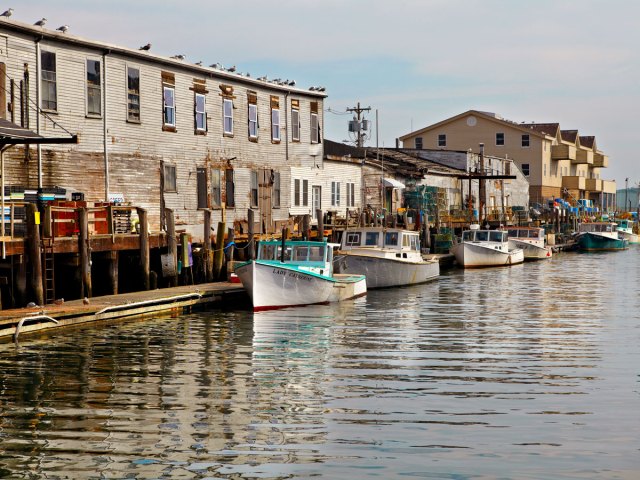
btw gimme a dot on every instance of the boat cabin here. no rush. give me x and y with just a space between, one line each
389 238
477 236
597 227
311 256
532 233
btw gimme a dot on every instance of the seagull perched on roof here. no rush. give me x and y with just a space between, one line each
145 47
63 28
179 56
199 63
41 22
7 13
231 69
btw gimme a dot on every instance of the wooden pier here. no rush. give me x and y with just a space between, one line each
168 301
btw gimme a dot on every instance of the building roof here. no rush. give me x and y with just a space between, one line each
12 134
493 117
41 33
588 141
569 135
550 129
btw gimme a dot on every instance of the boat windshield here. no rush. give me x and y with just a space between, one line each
482 236
371 239
353 239
496 236
411 240
391 239
467 236
292 253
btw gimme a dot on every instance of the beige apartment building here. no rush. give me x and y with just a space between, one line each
558 163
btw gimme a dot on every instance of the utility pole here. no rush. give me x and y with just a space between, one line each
358 130
626 191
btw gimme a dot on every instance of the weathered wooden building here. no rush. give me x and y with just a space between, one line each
155 131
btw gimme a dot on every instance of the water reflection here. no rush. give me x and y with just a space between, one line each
479 375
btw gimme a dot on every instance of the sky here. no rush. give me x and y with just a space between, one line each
414 62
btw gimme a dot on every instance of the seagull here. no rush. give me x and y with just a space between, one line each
40 23
231 69
199 63
63 28
145 47
263 79
292 83
321 89
7 13
180 56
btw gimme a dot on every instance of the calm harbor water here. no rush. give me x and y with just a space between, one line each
526 372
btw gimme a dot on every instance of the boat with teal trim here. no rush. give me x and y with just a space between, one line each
599 236
626 230
296 273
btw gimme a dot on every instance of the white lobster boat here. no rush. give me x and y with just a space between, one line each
531 240
625 230
299 274
388 257
486 248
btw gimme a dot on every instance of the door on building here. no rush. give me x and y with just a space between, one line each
265 187
316 196
201 174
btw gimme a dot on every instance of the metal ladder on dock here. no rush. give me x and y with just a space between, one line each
48 273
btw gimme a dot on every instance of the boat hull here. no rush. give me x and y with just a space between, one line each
471 255
631 238
387 272
590 242
530 250
278 286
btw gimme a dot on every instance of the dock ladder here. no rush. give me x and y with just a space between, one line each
48 273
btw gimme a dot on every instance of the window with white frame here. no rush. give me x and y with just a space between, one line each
351 195
200 112
216 192
49 88
252 99
296 192
295 121
442 140
169 105
275 196
418 143
94 88
275 125
254 189
499 138
335 194
275 119
315 124
305 193
133 94
227 116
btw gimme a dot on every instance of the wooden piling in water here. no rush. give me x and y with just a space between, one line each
208 257
320 224
251 247
172 243
144 247
218 257
305 227
230 249
112 271
86 288
35 257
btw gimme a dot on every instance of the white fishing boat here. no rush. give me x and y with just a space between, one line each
531 240
388 257
485 248
301 273
625 230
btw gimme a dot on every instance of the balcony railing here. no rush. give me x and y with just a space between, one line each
574 182
600 160
584 156
593 185
563 152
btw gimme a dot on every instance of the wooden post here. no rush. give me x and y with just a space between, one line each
85 255
229 252
375 217
47 230
363 219
186 267
251 246
305 227
405 219
144 247
218 256
394 219
208 261
172 243
35 257
21 281
284 239
112 259
320 224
